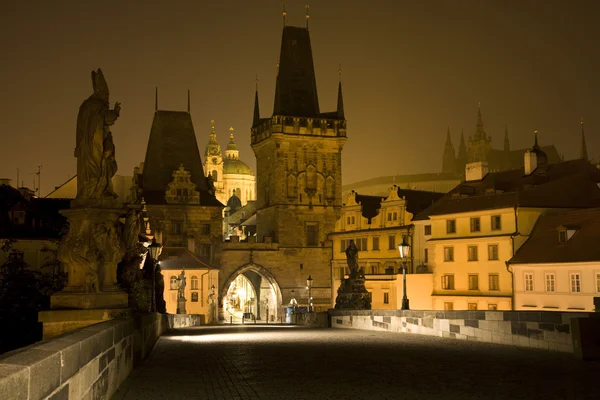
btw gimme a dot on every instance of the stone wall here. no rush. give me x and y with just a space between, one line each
536 329
88 363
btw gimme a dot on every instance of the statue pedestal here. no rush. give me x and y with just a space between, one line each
90 252
181 306
353 295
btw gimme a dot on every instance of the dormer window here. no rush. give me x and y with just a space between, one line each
565 234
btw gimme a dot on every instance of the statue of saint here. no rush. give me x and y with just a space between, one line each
352 259
131 231
95 150
181 281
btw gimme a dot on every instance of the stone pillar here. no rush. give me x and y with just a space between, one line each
90 252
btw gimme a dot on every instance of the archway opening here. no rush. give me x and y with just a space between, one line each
251 293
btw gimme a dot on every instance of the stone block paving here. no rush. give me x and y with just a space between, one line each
279 362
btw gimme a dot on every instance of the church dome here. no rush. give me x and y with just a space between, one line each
235 166
234 203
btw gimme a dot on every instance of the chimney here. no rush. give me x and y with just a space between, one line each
476 171
530 162
192 245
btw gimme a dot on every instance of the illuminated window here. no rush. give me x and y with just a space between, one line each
496 222
386 298
194 282
173 283
473 282
361 244
492 252
528 281
194 297
451 226
472 306
475 224
427 230
392 242
395 216
375 242
448 306
550 283
473 256
575 283
353 221
343 245
448 282
448 254
494 282
492 307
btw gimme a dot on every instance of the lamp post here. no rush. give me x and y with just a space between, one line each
155 249
214 304
404 250
309 283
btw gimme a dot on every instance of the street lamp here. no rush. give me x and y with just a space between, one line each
155 249
309 283
404 250
212 288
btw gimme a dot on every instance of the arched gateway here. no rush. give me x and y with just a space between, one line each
251 291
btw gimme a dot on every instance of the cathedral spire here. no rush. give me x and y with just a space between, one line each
340 102
449 158
584 153
256 118
506 141
479 131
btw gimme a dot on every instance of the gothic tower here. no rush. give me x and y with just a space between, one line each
480 144
298 152
449 158
461 159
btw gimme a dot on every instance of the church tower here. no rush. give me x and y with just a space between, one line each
480 144
449 158
298 152
461 158
213 163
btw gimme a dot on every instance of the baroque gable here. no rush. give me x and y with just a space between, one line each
181 190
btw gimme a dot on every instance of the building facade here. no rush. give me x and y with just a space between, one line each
558 267
299 181
377 225
472 231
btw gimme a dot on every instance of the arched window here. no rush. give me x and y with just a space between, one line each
173 283
194 282
214 176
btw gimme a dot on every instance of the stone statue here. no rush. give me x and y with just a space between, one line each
95 150
352 259
131 231
181 289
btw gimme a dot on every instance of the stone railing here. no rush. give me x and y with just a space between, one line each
536 329
88 363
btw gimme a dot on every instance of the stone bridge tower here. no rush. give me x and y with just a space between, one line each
298 152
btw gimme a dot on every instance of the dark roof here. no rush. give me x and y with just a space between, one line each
566 184
543 245
178 258
416 201
234 203
402 178
500 160
296 86
172 143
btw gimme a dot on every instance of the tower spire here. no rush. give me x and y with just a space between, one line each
449 157
156 99
256 118
584 153
283 14
307 17
340 102
188 101
479 131
506 141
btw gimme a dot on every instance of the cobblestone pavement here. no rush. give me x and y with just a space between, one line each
260 362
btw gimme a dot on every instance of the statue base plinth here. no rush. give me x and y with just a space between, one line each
353 295
57 322
89 301
181 306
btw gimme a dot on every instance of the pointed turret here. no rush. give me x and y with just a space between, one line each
212 148
461 158
340 103
506 141
584 153
296 87
449 158
256 118
479 131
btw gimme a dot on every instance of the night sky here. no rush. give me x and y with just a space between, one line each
410 70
